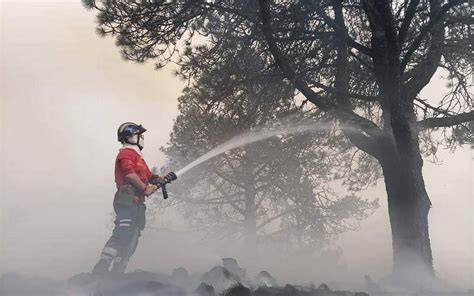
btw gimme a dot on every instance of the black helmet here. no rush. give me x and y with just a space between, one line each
129 129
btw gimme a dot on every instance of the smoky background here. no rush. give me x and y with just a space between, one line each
64 91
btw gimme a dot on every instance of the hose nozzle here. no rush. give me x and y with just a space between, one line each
167 179
170 177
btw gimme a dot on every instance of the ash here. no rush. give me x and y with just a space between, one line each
229 279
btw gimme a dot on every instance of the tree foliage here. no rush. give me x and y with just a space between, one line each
198 34
276 189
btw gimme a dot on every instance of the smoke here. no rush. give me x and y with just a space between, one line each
65 91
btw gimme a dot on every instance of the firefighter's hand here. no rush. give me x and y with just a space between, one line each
150 189
157 180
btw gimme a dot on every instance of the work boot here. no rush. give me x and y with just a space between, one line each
101 268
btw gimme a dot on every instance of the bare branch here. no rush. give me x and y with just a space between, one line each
445 121
343 33
426 29
409 14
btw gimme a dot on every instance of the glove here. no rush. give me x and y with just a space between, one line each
150 189
157 180
170 177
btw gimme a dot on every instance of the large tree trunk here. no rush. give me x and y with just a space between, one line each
251 235
408 206
408 200
402 164
400 155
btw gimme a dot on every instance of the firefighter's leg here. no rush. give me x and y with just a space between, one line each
121 261
106 257
131 238
121 235
140 223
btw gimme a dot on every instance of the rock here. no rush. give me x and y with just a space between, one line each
290 290
237 290
204 290
220 278
151 288
324 287
231 265
265 279
140 283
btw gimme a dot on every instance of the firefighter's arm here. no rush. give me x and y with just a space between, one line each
147 189
131 177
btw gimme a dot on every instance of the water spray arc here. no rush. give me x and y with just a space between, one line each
255 135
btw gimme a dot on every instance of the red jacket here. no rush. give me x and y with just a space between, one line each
130 161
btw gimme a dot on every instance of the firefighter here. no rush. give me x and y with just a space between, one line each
134 182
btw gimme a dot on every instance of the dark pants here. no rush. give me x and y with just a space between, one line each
129 222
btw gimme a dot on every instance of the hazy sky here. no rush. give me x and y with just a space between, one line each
64 91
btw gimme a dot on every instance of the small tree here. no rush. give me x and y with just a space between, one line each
275 189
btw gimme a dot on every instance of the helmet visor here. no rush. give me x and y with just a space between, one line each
140 129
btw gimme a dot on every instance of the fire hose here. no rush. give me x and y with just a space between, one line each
161 182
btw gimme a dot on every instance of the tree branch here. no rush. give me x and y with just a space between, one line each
426 29
422 73
214 6
228 179
409 14
342 32
277 216
348 117
445 121
435 109
232 203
